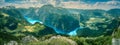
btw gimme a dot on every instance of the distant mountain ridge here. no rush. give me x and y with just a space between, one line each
65 21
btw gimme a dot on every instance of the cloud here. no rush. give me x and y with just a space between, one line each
98 5
77 4
107 5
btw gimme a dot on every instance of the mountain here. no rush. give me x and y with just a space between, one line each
114 12
66 21
20 25
54 18
14 26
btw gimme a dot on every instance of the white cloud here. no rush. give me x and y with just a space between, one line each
75 4
29 3
67 4
107 5
98 5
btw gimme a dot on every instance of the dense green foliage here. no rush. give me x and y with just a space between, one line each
101 40
96 31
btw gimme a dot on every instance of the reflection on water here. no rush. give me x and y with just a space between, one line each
32 21
74 32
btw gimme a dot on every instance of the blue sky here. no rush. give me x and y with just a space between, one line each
92 1
87 1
